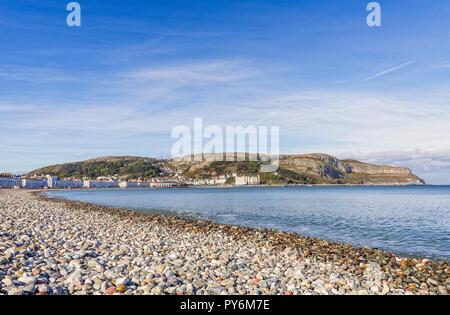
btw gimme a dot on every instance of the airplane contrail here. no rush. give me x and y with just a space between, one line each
387 71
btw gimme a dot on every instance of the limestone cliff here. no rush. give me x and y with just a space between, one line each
348 171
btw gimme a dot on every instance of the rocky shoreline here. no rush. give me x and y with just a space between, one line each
51 246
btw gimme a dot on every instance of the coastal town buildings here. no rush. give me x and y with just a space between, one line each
134 184
72 184
177 180
100 184
153 183
143 184
57 183
52 182
125 184
33 183
209 182
8 181
162 184
217 180
247 180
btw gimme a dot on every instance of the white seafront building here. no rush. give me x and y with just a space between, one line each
162 184
100 184
8 181
153 183
209 182
55 182
33 183
134 184
52 182
125 184
213 181
247 180
72 184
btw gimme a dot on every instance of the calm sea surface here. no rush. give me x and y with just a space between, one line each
405 220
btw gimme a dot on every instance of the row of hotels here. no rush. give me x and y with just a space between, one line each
11 181
51 182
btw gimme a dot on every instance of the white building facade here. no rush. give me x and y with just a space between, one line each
162 184
100 184
31 183
132 184
7 181
71 184
247 180
56 183
52 182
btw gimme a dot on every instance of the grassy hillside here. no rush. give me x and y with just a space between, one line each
126 167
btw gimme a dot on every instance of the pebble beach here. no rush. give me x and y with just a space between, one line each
58 247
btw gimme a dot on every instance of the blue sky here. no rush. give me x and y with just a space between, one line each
118 84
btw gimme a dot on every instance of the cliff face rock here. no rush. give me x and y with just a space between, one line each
360 167
322 165
348 171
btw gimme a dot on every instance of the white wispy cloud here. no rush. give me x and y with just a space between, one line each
385 72
197 73
40 74
8 108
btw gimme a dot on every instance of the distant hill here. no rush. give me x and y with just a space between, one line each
313 168
333 170
294 169
126 167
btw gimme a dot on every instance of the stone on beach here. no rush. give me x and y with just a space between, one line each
58 247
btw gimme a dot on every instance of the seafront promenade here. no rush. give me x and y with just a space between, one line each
50 246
